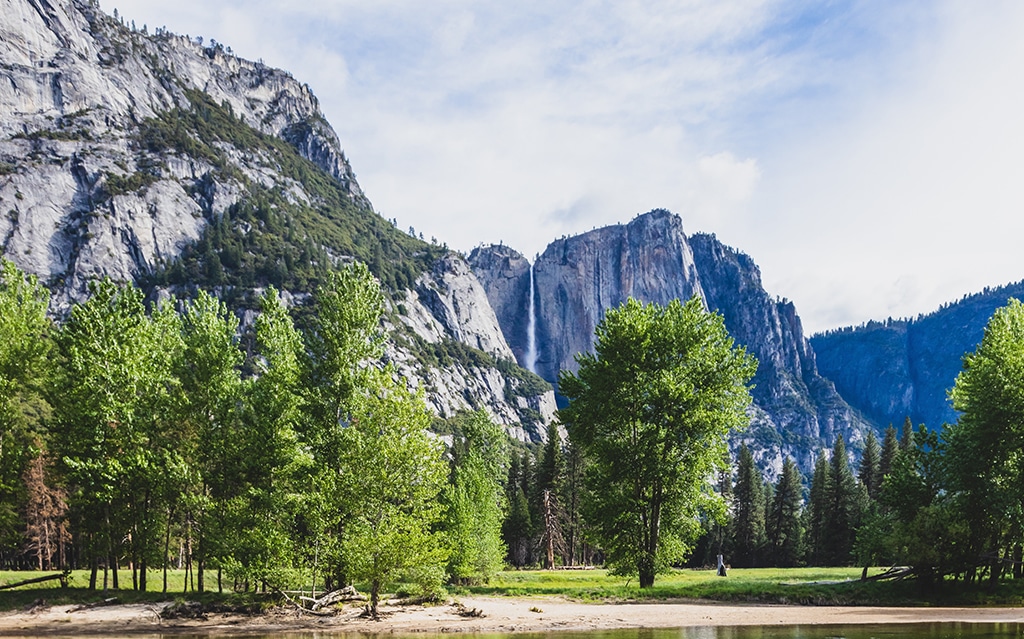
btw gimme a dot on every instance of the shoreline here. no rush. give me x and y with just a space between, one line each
498 615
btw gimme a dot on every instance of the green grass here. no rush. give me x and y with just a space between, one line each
78 590
810 586
814 586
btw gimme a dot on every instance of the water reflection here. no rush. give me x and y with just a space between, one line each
866 631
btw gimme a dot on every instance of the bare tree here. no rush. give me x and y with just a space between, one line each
45 515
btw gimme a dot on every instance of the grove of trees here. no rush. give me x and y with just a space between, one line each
140 438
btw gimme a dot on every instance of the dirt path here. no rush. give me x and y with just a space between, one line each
499 614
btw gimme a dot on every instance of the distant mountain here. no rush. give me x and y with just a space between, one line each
894 369
797 411
160 160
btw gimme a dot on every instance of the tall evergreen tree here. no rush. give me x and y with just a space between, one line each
890 448
785 530
869 473
748 521
817 512
907 434
842 513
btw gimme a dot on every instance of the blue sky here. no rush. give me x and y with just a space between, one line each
868 155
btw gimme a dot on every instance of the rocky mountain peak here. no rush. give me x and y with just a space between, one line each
796 411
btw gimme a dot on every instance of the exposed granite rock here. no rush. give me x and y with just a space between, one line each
796 411
74 85
505 276
84 195
453 295
578 278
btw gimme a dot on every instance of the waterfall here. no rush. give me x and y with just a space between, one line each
530 357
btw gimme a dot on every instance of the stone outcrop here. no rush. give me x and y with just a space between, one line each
894 369
101 175
505 275
796 411
74 86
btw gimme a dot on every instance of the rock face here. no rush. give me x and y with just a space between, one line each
505 275
796 411
896 369
122 153
74 86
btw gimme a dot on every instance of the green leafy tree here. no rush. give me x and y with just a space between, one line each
785 530
209 372
651 408
343 339
475 499
272 460
111 412
748 524
986 446
25 366
391 474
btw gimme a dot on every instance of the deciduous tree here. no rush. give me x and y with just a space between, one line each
651 408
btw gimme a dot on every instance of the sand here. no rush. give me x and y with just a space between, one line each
499 614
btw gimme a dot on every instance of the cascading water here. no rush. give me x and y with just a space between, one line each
530 357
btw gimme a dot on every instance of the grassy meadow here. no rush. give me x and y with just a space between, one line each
808 586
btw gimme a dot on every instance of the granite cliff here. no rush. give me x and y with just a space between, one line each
904 368
155 159
796 410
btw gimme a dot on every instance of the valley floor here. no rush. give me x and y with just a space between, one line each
497 615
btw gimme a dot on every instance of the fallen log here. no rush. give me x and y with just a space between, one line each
63 576
110 601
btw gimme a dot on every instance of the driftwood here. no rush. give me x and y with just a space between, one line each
311 606
348 593
110 601
896 572
63 576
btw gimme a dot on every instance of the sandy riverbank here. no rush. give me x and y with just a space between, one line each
499 614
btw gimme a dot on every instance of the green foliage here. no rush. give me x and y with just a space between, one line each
651 409
986 446
474 499
344 334
25 369
112 400
116 184
870 471
784 528
271 236
748 524
390 474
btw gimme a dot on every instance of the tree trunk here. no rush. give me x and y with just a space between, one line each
549 559
374 597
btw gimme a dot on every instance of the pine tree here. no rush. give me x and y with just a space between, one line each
517 527
907 436
748 524
869 472
817 512
785 530
842 512
890 448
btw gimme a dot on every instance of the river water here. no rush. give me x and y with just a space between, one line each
889 631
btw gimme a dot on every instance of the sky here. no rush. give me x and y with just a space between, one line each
869 156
